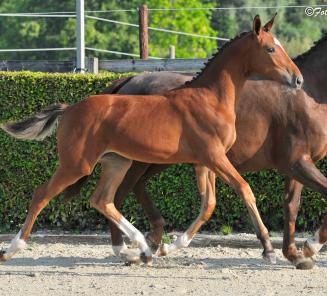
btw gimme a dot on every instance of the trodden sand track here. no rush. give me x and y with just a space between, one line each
79 267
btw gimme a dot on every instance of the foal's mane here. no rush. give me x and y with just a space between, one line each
215 55
316 45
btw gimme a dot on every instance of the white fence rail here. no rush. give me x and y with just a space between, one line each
119 66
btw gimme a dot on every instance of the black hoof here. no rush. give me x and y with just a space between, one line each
153 246
2 257
146 259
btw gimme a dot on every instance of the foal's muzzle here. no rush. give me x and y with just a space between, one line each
297 81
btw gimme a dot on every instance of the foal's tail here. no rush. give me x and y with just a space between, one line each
38 126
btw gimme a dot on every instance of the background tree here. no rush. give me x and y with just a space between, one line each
60 32
296 30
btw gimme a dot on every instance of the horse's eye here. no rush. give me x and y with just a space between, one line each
270 49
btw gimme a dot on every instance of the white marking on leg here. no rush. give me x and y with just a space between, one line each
119 249
314 244
16 245
181 242
134 235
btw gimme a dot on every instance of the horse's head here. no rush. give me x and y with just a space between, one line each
268 57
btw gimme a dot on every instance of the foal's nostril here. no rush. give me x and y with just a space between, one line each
298 81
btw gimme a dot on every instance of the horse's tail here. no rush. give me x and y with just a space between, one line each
38 126
75 188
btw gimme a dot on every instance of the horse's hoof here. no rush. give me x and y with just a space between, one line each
146 259
304 263
163 250
308 250
153 246
2 257
134 245
131 256
270 257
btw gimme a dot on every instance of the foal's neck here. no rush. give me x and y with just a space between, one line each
227 72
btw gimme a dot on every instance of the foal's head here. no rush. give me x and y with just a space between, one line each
268 57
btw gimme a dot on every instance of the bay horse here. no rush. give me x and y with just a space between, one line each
275 129
196 124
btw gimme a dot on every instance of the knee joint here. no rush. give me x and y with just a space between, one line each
209 208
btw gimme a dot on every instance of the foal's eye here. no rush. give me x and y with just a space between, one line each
270 49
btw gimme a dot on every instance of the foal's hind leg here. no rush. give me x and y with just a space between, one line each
136 170
206 186
114 168
43 194
156 221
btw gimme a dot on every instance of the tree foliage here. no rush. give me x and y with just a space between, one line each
296 30
60 32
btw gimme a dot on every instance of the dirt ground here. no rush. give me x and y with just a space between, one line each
91 269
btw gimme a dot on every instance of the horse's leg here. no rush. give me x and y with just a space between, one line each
226 171
157 222
313 244
305 171
136 170
62 178
206 183
291 206
136 179
114 168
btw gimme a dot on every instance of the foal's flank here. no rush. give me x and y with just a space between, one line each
196 124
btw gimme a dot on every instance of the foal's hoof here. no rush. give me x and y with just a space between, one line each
163 250
308 251
131 256
146 259
270 257
2 257
153 246
304 263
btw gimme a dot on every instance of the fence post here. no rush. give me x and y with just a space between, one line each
172 52
143 31
80 44
93 65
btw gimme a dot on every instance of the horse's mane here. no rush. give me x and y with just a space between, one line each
313 48
215 55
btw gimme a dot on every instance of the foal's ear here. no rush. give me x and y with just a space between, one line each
267 27
256 25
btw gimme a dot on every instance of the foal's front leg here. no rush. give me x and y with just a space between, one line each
220 164
206 186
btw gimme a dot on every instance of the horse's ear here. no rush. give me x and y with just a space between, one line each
267 27
256 25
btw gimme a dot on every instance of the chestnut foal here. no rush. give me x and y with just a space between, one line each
196 124
299 121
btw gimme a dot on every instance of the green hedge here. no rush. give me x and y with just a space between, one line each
25 165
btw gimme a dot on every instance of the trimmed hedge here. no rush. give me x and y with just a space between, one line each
25 165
